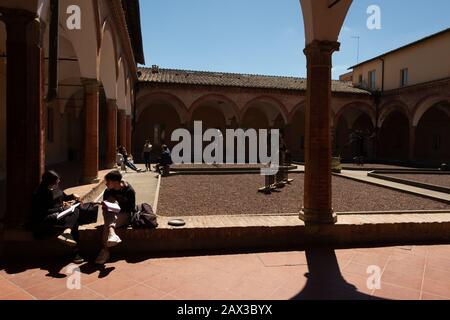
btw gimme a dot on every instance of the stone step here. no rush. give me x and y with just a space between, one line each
255 232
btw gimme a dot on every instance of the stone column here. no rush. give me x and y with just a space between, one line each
317 195
412 143
122 128
111 129
25 113
128 134
91 131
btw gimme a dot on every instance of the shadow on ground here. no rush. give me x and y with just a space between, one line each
325 280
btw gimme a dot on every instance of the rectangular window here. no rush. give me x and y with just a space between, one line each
404 77
372 80
50 125
360 80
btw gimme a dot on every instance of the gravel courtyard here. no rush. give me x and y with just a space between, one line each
435 179
191 195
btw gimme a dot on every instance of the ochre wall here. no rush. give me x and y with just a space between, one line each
426 62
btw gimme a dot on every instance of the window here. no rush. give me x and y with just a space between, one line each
404 77
360 80
50 125
372 80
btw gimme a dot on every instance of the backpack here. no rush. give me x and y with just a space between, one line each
144 218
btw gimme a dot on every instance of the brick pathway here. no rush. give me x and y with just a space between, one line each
409 272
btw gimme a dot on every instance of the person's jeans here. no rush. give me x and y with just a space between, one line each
48 229
147 159
114 220
131 166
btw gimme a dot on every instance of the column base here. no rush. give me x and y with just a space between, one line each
311 216
89 180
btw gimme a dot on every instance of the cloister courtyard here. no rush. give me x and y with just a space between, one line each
170 264
358 210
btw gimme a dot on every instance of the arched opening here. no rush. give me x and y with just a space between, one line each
296 135
156 123
394 138
354 135
432 145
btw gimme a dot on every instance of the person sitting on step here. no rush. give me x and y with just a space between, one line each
126 159
122 193
165 160
48 202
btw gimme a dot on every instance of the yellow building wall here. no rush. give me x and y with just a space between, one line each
426 61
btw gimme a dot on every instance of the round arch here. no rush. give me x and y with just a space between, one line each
218 102
388 108
271 103
359 108
147 100
425 104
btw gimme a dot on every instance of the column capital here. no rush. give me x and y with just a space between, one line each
320 52
91 86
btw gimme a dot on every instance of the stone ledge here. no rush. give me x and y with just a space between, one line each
267 232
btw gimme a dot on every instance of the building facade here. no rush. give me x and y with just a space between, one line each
399 115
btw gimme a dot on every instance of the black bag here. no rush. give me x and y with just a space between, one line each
144 218
88 214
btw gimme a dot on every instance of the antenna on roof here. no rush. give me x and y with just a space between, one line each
357 54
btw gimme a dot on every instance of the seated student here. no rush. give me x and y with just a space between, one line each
48 201
118 191
165 159
126 159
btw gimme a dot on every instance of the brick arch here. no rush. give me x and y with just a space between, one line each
299 107
146 101
426 104
361 106
270 100
432 135
390 107
202 100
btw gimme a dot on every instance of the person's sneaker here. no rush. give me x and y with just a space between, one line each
67 239
103 257
77 259
113 240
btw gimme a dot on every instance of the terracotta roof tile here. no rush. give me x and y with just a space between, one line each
173 76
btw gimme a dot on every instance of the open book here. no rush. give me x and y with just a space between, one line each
68 211
112 207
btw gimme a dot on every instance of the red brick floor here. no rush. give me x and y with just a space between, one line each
409 272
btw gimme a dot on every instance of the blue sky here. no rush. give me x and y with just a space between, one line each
267 36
